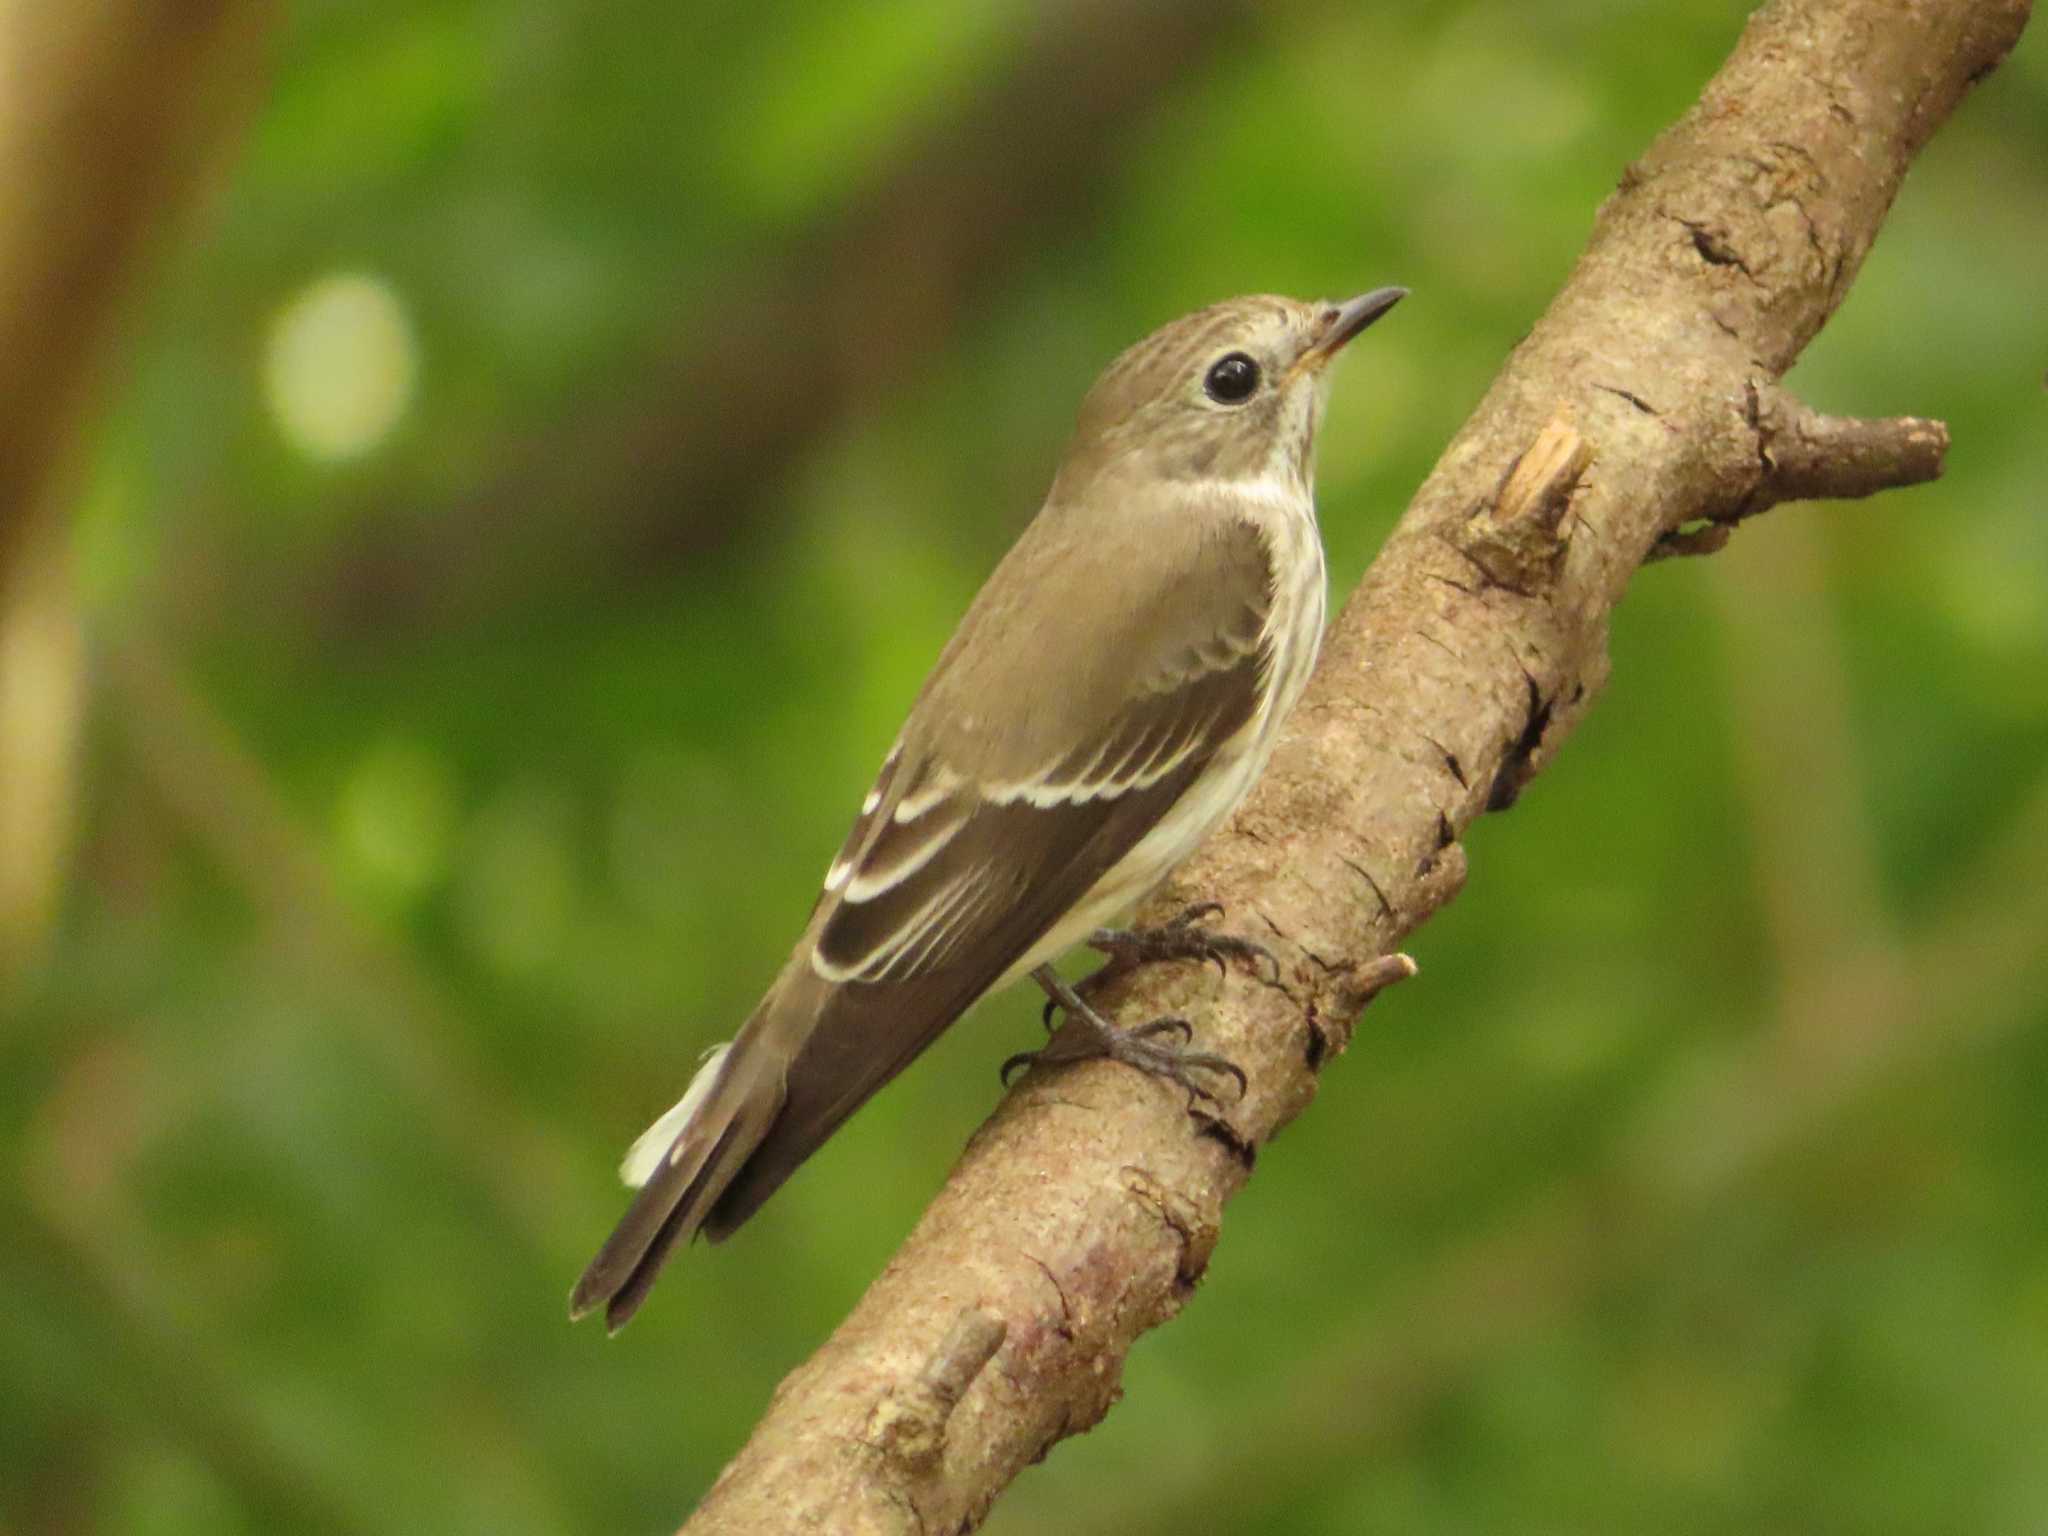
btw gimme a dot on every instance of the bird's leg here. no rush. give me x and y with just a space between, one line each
1089 1034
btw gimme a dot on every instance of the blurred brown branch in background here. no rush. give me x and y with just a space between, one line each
42 688
689 450
107 110
1084 1213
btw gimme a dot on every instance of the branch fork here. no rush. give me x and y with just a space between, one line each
1807 455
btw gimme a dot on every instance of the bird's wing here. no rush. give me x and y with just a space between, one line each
990 819
1027 766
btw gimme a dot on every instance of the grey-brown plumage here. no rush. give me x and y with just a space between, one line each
1107 699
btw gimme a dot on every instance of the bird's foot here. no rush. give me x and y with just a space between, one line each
1180 938
1089 1035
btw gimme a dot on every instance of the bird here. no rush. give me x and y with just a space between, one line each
1108 698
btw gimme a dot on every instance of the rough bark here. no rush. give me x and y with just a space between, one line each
1641 417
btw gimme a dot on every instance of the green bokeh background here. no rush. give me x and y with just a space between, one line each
1700 1184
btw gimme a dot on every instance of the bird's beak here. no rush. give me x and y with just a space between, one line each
1343 321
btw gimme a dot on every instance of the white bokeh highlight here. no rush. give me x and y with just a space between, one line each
340 365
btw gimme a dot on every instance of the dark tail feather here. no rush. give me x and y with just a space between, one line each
858 1038
715 1139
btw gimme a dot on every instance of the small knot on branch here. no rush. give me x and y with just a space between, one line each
1515 538
909 1424
1361 985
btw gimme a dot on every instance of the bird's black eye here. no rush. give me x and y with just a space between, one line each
1231 379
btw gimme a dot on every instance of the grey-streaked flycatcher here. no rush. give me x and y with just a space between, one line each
1108 699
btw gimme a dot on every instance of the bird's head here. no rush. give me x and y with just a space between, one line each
1231 393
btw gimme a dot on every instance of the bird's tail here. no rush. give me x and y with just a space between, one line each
681 1165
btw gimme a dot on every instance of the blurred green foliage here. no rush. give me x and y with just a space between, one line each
1700 1184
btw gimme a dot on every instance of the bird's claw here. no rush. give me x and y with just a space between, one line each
1139 1047
1088 1034
1180 938
1171 1024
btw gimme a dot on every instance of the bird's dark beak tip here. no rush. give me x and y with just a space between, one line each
1346 320
1354 315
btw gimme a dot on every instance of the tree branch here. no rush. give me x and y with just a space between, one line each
1805 455
1808 455
1644 403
